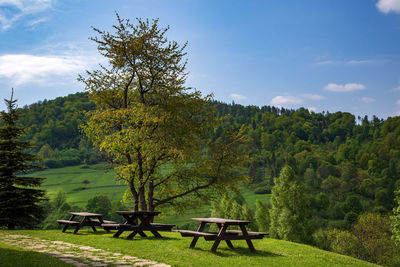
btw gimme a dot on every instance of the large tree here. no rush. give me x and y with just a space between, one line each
157 131
289 208
20 200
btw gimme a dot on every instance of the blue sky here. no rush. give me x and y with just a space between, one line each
334 55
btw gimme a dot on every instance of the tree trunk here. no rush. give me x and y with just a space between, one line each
142 198
150 196
135 196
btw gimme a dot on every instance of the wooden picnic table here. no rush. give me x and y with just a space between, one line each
224 234
137 222
88 219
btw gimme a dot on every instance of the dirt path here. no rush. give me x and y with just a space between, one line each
77 255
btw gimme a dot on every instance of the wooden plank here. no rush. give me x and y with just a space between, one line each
67 222
221 221
194 233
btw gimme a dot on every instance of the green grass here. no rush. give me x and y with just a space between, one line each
71 180
13 256
174 250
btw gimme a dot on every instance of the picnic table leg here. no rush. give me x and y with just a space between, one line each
195 238
131 235
220 234
141 233
94 228
249 243
101 222
228 242
118 233
66 225
76 229
156 234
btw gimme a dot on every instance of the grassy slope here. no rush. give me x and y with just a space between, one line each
70 179
12 256
174 250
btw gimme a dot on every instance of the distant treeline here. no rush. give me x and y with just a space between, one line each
349 165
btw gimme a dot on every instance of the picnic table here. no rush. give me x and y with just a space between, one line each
224 234
137 222
88 219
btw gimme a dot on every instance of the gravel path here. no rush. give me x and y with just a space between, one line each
77 255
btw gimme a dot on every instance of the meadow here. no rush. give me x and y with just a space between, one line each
82 183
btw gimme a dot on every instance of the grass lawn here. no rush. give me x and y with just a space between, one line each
174 250
81 184
12 256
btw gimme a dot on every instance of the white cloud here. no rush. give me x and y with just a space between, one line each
387 6
14 10
348 87
367 100
313 96
360 62
284 100
21 68
312 109
398 102
397 88
237 96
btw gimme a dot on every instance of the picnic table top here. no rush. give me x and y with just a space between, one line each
221 220
132 212
86 214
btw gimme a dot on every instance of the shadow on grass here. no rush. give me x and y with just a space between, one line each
138 238
22 258
240 251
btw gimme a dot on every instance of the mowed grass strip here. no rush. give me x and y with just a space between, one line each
174 250
11 256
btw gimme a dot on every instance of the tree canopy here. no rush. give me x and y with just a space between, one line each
155 129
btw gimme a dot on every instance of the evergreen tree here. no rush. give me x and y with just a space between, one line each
289 208
20 200
262 216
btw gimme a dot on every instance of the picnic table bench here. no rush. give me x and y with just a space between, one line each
137 222
224 234
88 219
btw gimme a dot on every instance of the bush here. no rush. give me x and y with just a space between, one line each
263 190
320 239
52 163
344 242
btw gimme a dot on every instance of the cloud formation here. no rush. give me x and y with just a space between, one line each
237 96
367 100
285 100
387 6
348 87
14 10
22 68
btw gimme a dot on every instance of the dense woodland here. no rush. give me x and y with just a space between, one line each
349 165
345 167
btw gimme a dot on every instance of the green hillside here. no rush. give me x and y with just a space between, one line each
174 250
81 184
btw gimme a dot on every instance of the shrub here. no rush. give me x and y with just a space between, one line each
344 242
374 234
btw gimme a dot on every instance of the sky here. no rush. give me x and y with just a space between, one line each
331 55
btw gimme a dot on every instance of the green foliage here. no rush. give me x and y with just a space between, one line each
21 202
154 129
369 239
289 208
262 216
231 209
99 204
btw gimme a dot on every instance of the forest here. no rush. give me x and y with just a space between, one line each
349 165
338 173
